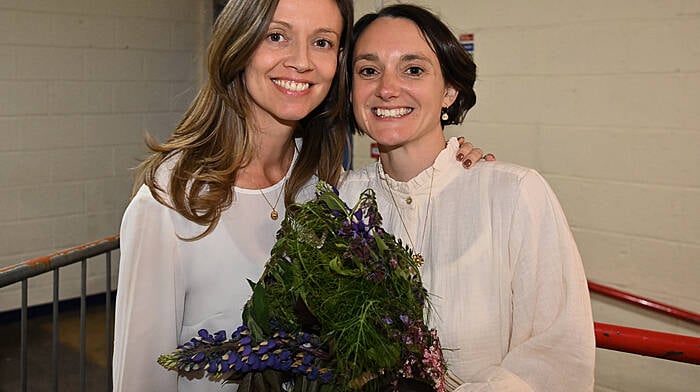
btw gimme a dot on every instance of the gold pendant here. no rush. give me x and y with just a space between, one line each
274 215
418 259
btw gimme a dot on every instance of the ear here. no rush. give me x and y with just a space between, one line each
450 96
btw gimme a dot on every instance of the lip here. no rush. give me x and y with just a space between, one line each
292 86
392 113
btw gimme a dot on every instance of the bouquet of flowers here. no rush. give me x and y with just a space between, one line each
340 306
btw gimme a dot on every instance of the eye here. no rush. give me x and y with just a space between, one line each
415 71
323 43
367 72
275 37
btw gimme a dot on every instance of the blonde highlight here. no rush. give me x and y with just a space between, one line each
212 142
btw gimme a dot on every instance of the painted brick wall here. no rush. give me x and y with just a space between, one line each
603 98
80 83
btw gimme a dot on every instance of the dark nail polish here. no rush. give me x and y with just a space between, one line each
467 163
460 156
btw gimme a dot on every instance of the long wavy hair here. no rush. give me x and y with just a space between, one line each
213 140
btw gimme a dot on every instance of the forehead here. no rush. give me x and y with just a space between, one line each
313 14
393 35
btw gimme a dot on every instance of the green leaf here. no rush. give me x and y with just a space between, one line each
251 284
336 264
260 312
387 356
329 197
381 245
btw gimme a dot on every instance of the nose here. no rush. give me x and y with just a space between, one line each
388 86
299 57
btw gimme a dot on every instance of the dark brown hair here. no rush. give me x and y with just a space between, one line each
457 66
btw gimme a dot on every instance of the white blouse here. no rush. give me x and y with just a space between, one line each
511 303
170 288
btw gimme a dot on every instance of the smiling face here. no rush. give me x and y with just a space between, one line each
292 69
398 87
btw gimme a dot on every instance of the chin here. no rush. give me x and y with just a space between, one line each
293 115
387 138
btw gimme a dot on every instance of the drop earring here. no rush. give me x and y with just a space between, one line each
444 116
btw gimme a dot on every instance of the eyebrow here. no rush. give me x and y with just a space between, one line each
368 57
404 58
326 30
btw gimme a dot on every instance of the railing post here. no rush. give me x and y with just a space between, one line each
83 314
108 319
54 328
23 340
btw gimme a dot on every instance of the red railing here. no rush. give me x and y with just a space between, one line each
648 343
645 342
613 337
645 303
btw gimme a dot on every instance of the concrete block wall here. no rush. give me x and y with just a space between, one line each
80 83
600 96
603 98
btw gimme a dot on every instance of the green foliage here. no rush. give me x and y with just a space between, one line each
335 273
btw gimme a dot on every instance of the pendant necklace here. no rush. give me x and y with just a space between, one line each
274 214
417 255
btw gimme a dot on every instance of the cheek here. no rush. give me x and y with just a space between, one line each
253 70
361 91
327 67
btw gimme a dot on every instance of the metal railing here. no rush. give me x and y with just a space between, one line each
646 303
673 347
613 337
22 272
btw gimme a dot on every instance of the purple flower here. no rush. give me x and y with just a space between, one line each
325 375
265 346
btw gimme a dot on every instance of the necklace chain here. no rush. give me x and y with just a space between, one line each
417 255
274 214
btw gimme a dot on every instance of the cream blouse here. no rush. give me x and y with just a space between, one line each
510 298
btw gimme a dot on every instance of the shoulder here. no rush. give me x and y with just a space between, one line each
308 191
354 182
143 206
501 175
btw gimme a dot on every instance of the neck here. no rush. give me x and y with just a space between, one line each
402 163
273 151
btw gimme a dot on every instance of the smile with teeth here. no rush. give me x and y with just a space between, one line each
291 85
392 113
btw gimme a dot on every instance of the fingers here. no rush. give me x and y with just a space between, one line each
465 148
489 157
474 155
468 154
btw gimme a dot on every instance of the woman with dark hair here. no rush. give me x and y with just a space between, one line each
508 289
208 201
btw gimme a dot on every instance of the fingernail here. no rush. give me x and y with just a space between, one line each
467 163
460 156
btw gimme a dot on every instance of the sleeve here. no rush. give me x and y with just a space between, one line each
147 319
552 343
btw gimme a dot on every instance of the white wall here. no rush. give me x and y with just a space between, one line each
80 82
603 98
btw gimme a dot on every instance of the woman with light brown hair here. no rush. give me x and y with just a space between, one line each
209 200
